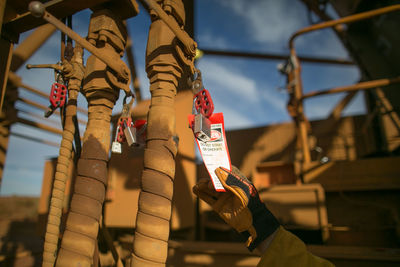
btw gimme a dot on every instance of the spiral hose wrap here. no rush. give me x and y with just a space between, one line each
63 162
150 247
80 236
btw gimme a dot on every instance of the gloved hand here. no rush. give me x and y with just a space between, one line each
240 206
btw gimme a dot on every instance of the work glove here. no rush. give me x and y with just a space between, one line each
240 206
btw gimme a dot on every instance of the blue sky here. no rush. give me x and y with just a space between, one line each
245 90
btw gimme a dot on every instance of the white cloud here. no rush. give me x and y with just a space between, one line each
275 99
246 99
251 92
229 78
207 39
323 43
270 21
233 118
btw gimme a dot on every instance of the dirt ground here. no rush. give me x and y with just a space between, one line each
20 244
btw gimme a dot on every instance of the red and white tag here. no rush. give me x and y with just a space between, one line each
215 152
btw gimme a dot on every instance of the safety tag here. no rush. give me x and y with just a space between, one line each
214 151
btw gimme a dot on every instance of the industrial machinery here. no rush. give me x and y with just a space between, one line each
124 197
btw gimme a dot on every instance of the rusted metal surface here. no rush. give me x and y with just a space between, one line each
299 206
80 236
42 66
125 170
357 175
354 87
293 71
74 77
150 247
18 19
6 49
295 106
115 63
173 23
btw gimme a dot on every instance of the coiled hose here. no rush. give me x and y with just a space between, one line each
150 247
80 235
63 162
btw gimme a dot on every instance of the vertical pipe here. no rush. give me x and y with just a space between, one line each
6 107
301 119
64 159
6 49
150 245
80 237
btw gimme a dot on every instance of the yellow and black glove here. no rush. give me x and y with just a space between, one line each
240 206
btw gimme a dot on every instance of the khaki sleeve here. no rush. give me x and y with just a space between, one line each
288 250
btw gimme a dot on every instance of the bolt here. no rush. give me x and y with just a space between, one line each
37 9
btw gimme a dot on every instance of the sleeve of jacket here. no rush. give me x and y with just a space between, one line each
288 250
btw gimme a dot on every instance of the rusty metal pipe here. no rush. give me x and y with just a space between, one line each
189 44
38 10
44 66
79 240
345 20
43 107
63 162
39 117
294 77
80 236
40 126
150 247
34 139
275 57
354 87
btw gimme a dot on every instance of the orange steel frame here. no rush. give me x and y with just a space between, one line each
294 76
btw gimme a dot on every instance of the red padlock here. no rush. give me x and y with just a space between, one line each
58 95
121 122
203 103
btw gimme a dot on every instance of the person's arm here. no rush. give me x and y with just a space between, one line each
241 207
286 249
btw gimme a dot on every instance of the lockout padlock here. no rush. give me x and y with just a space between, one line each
121 127
58 95
136 134
116 146
203 103
202 127
130 134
